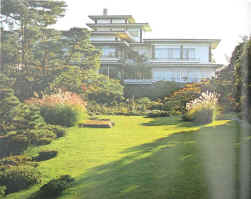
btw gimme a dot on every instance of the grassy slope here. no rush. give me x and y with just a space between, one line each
139 158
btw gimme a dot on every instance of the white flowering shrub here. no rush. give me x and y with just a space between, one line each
202 109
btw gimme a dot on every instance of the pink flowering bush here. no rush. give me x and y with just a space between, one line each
62 108
202 109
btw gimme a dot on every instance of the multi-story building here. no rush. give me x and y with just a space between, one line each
181 60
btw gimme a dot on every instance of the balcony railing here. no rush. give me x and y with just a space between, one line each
176 59
139 81
151 81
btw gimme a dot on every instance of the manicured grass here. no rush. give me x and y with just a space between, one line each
145 158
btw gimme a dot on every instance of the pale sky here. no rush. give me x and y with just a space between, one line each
200 19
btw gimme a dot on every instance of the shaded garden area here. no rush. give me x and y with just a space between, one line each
168 161
194 164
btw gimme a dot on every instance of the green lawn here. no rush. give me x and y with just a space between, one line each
162 158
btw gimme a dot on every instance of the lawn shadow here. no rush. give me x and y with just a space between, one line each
170 167
173 120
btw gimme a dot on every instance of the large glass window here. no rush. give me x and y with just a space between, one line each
118 29
134 32
165 52
104 21
108 52
118 21
189 53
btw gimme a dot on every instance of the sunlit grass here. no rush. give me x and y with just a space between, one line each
137 158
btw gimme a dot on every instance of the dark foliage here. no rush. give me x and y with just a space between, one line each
17 178
55 187
16 161
45 155
59 115
157 90
158 113
2 191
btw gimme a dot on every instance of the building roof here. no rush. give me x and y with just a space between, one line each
144 26
129 17
213 42
111 43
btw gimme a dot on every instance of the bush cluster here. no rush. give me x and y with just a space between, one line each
60 115
158 89
15 161
17 178
127 107
158 113
21 124
62 108
17 141
56 186
202 110
2 191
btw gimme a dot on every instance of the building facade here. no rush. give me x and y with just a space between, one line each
180 60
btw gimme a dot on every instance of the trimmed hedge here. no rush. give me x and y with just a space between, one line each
203 115
158 113
63 115
17 178
55 187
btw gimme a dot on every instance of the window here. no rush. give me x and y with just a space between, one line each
141 51
104 21
118 29
108 52
165 52
134 32
189 53
103 29
118 21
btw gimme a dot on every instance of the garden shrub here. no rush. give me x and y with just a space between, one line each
202 110
2 191
17 178
21 124
175 103
158 113
158 89
15 161
57 130
56 186
102 90
13 145
45 155
62 108
16 142
60 115
127 107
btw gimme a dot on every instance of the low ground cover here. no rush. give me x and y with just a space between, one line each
145 158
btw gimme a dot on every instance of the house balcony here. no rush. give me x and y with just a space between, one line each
139 81
151 81
111 60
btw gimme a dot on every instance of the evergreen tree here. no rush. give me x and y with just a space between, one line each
14 115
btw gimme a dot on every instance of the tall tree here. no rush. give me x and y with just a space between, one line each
22 21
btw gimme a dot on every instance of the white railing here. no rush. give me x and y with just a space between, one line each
139 81
151 81
175 60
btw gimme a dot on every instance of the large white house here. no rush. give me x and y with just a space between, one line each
180 60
